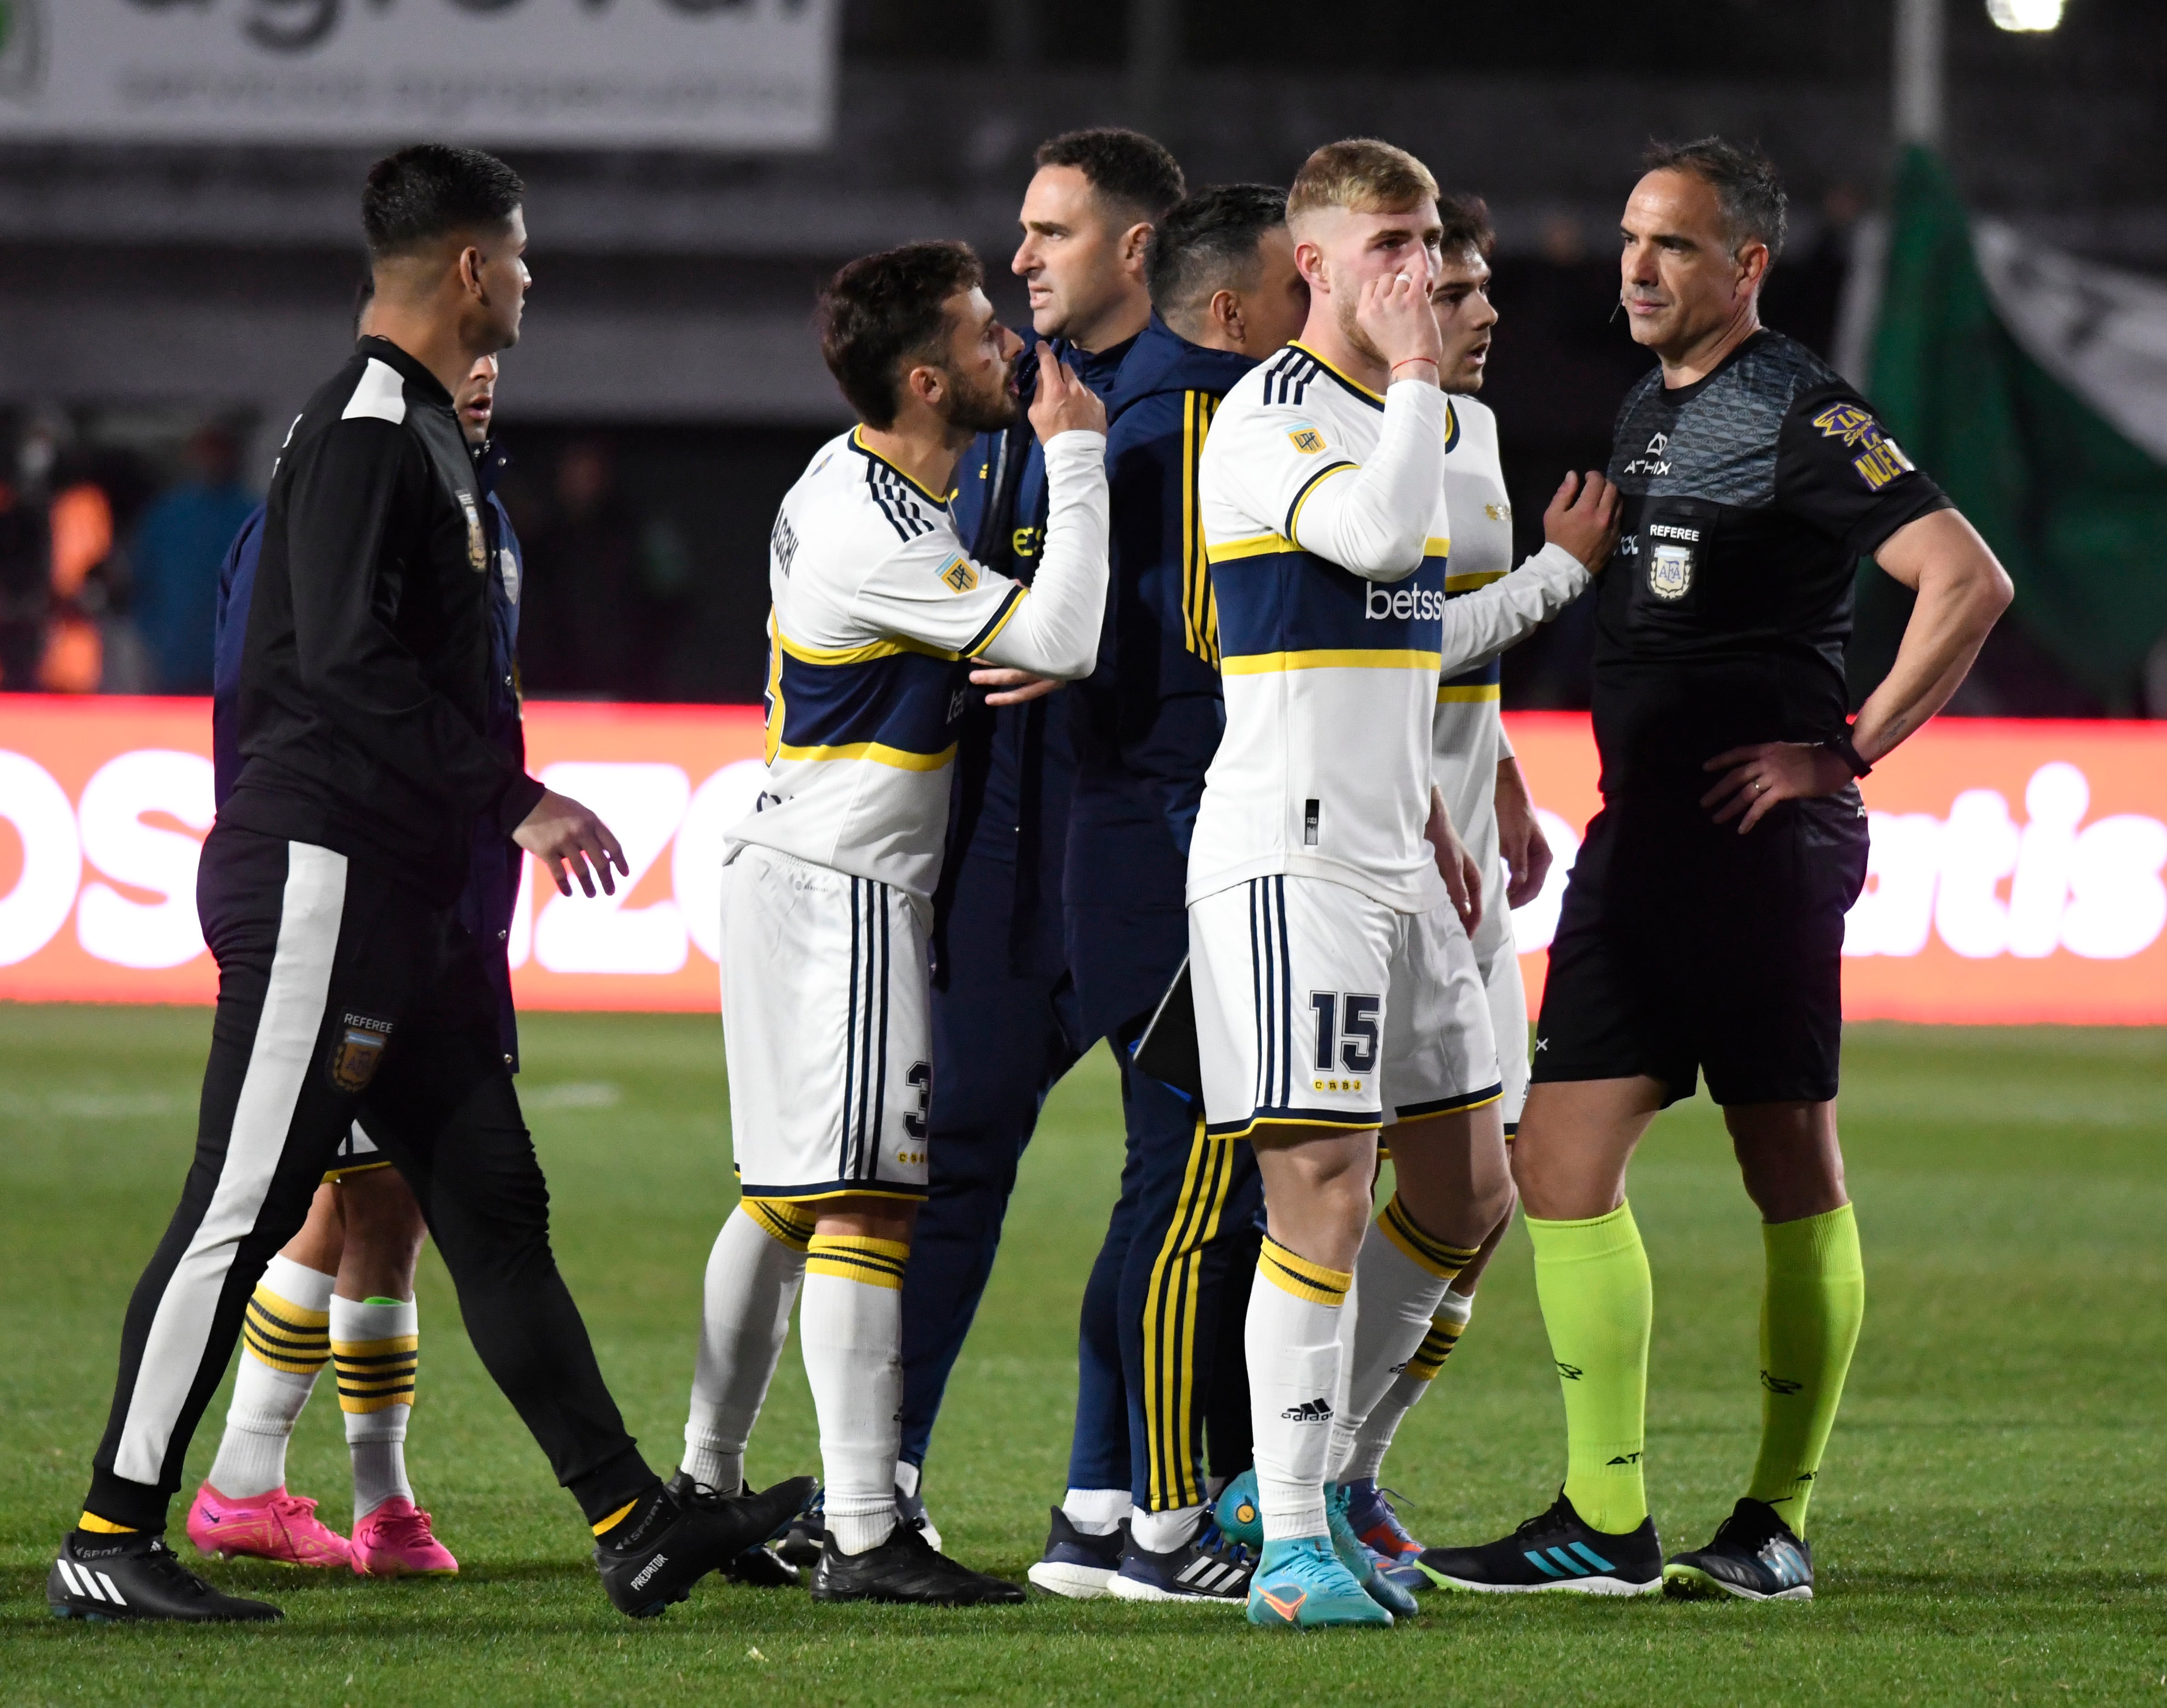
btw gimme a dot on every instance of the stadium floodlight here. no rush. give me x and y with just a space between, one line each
2028 16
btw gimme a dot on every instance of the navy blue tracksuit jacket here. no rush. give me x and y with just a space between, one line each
492 888
1005 1022
1160 1353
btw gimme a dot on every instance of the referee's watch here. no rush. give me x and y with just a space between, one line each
1840 746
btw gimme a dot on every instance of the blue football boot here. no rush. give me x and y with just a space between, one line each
1363 1564
1300 1585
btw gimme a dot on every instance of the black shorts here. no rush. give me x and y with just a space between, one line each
1683 948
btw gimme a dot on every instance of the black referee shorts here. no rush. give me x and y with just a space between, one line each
343 993
1685 948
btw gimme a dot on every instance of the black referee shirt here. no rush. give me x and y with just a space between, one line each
1750 497
365 670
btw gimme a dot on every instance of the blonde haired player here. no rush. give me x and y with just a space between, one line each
1336 990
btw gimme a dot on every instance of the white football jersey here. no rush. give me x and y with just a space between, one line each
1330 679
1466 744
877 603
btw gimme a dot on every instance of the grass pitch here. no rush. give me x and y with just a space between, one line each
1989 1524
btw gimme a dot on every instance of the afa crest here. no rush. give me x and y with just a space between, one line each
477 547
1306 439
357 1052
1670 571
961 576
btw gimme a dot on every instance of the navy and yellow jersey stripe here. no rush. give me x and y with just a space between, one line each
1481 683
1283 608
888 701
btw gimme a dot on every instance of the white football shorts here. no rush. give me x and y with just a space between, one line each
1497 959
826 1030
1317 1006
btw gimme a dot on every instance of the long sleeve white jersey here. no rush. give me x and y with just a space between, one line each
879 613
1467 735
1325 523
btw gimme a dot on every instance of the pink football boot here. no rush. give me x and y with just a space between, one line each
277 1526
395 1542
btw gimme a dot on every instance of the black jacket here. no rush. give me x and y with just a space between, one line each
365 676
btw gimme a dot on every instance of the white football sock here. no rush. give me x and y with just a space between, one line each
1096 1512
1292 1337
753 1275
852 1333
375 1344
1403 1271
1162 1532
285 1343
1409 1386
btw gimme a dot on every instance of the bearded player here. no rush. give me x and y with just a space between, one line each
1336 990
879 613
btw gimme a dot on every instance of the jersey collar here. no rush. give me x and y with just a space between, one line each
916 485
407 369
1376 399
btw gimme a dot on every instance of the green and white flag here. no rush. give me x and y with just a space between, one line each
2032 385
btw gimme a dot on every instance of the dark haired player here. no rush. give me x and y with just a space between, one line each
328 889
1703 926
879 611
340 1292
1166 1293
1005 1025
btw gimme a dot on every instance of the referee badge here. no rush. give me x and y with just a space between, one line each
477 547
357 1052
1671 558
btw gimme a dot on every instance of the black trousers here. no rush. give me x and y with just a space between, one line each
342 993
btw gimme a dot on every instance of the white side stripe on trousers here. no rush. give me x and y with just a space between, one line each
279 1058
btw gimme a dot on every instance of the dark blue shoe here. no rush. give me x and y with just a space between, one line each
1206 1568
1554 1551
1376 1523
1076 1564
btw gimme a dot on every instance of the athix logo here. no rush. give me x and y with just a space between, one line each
1310 1411
1779 1384
1571 1372
1655 460
1624 1459
1383 604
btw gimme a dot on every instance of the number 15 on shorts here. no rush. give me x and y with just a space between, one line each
1347 1037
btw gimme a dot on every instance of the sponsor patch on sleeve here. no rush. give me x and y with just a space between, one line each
1879 460
1305 438
960 575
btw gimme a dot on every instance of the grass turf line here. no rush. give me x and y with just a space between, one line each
1989 1524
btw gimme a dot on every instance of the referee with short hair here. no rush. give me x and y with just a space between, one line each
328 888
1703 926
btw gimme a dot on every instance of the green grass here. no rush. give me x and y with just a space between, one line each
1990 1523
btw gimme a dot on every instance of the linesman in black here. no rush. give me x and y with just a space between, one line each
347 987
1703 926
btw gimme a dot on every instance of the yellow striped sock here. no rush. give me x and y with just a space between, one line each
1436 1347
98 1526
374 1374
1441 1260
878 1263
1292 1273
280 1333
782 1221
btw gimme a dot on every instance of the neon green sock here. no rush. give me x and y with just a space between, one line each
1591 1279
1809 1319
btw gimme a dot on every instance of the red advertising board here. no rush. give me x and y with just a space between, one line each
2015 868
